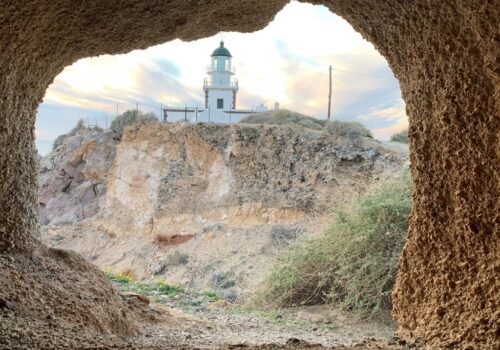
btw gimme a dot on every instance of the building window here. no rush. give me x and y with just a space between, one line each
220 103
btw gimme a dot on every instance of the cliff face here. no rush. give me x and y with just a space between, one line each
72 178
227 196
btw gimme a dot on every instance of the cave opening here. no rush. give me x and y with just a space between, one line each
170 208
444 57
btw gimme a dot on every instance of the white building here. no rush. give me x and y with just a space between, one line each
220 88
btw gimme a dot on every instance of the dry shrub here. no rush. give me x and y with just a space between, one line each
80 125
354 262
401 136
284 117
303 122
348 129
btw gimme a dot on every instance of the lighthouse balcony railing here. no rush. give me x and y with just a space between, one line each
220 83
227 69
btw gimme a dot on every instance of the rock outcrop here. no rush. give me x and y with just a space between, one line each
203 190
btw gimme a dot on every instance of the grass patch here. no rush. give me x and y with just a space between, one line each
127 282
210 295
161 287
120 278
353 263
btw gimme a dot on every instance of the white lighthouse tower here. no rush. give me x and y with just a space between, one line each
220 87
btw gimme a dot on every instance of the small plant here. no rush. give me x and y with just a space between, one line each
401 136
176 259
120 278
211 295
167 289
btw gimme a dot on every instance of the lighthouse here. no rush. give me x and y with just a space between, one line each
220 86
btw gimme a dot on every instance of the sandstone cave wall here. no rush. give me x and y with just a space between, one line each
445 55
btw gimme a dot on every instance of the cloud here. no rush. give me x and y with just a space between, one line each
285 62
387 132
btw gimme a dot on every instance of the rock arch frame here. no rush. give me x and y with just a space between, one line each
446 57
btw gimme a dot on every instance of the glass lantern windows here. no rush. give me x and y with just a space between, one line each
221 64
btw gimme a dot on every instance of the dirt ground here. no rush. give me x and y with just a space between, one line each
214 330
56 300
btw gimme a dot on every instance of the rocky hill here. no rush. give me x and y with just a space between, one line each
204 205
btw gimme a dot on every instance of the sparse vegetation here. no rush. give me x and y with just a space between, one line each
160 291
285 117
281 235
160 287
176 259
211 295
60 139
350 129
128 118
120 278
401 136
301 121
354 262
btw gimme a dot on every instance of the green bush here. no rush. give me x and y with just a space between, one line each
128 118
350 129
401 136
354 262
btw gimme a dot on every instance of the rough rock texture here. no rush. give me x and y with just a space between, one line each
77 295
207 191
72 178
445 55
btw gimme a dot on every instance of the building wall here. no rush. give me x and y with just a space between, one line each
215 94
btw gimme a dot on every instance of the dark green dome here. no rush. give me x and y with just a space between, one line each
221 51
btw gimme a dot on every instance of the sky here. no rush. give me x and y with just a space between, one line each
286 62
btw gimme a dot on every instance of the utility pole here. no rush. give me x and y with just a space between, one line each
329 92
161 112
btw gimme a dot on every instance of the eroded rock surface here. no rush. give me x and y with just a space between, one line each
228 197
